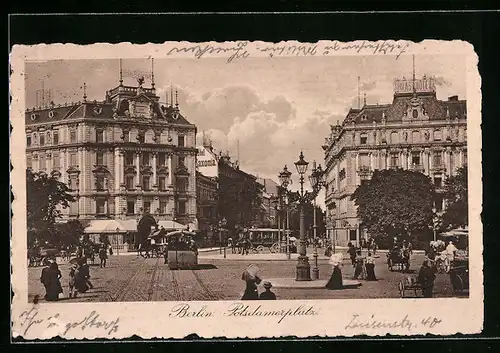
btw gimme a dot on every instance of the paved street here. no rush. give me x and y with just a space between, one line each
132 278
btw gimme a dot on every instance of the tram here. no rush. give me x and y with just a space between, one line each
181 252
268 238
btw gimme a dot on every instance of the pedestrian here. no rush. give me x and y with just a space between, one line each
85 271
72 281
359 268
352 253
110 251
50 279
335 281
451 250
103 256
370 268
426 277
267 294
251 280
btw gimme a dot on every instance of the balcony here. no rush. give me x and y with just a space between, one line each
417 168
438 167
364 171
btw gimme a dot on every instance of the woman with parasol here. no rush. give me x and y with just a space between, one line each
335 281
252 280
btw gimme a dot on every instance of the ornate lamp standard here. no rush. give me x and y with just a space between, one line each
316 180
303 267
222 226
284 178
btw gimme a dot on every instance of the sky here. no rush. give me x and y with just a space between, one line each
272 108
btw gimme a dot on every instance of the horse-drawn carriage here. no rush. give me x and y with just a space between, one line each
459 272
39 256
398 258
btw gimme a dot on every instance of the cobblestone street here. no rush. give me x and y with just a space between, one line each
132 278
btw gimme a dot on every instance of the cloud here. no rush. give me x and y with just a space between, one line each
219 109
441 81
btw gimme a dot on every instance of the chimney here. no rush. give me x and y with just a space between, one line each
453 98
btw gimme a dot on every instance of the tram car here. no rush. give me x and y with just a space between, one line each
268 239
181 250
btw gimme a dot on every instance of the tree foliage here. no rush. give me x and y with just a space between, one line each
67 234
308 219
239 200
45 195
457 200
395 202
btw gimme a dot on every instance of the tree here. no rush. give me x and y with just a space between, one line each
395 202
457 201
67 234
308 219
44 197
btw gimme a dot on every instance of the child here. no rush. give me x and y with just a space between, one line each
72 284
267 295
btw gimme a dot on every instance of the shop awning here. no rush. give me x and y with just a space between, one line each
105 226
171 225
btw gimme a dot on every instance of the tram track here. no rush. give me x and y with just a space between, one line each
208 293
126 287
153 280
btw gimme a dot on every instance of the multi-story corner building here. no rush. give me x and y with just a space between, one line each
121 157
239 195
206 205
416 131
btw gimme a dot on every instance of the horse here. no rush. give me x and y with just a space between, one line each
399 257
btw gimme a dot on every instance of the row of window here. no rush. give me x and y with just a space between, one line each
437 135
101 207
101 159
146 159
52 138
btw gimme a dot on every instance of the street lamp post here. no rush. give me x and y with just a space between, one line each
222 226
434 223
303 267
117 241
284 178
316 179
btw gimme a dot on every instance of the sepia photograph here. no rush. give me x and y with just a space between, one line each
157 180
275 183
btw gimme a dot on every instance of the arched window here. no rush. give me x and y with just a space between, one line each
415 136
363 138
394 137
438 135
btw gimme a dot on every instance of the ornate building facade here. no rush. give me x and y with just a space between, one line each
121 157
416 131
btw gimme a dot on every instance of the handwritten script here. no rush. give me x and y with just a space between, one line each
242 49
32 318
372 322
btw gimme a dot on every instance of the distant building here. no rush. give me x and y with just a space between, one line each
416 132
121 157
240 196
268 217
206 205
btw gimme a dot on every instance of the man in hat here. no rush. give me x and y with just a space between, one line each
267 294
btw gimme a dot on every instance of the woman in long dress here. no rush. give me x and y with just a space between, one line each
252 280
50 278
359 266
335 281
370 268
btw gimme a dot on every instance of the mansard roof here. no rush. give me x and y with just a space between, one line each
394 112
113 107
